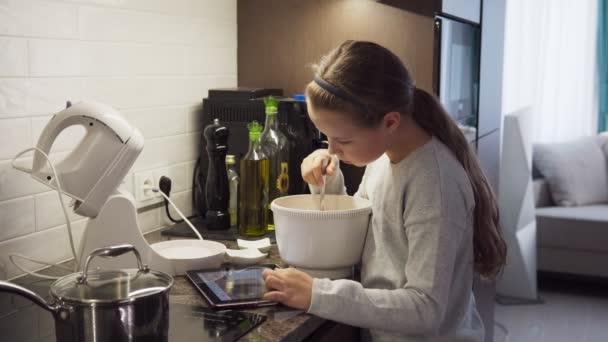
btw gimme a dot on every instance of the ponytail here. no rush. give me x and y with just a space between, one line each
489 247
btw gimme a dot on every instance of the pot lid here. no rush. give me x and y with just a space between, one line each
111 286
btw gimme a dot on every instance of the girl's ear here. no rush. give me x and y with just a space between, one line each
391 121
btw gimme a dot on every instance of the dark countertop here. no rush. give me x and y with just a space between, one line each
18 315
283 323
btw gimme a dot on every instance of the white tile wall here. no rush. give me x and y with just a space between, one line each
49 57
161 121
153 60
13 56
13 97
29 18
16 217
51 245
48 212
165 151
15 135
15 183
29 96
137 92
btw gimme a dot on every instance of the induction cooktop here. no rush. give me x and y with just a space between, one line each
189 323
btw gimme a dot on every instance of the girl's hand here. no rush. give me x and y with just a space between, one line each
312 167
288 286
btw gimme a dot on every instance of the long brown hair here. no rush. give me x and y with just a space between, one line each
367 81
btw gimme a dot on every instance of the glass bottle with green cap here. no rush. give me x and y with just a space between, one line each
253 191
276 146
233 187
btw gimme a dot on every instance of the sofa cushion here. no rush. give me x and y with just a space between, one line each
542 196
576 171
577 228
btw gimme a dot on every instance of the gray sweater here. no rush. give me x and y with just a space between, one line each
417 266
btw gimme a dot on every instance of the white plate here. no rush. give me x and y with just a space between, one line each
186 255
247 256
263 245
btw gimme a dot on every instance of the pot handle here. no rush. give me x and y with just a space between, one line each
110 252
5 286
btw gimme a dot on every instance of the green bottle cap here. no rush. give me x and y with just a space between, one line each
230 160
271 105
255 129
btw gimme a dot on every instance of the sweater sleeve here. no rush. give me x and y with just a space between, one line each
416 308
334 184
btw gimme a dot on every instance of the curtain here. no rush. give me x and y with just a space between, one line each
550 65
602 55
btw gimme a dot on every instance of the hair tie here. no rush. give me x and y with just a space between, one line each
339 93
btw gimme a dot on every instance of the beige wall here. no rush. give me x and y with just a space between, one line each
279 39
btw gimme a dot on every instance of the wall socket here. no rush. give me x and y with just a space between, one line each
179 178
144 179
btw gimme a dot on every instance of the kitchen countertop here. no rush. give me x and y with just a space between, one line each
282 324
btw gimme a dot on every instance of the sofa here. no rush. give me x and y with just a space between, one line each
570 183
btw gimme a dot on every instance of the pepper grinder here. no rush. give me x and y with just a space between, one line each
217 193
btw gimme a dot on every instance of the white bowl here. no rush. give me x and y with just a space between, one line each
263 245
247 256
323 243
187 255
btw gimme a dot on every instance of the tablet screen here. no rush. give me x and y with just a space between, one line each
232 286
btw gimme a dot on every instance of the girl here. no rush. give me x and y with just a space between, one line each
435 219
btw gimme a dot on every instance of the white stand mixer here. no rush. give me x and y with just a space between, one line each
91 175
117 223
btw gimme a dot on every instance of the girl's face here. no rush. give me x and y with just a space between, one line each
351 144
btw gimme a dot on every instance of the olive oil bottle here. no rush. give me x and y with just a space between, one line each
253 190
276 147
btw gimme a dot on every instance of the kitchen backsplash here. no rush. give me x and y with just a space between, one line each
153 60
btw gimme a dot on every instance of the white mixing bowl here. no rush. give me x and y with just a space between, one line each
325 244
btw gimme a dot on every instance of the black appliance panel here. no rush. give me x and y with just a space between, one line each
235 108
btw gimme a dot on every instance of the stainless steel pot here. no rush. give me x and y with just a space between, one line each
119 305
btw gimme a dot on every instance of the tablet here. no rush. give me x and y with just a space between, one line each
232 287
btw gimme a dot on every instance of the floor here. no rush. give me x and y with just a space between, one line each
574 310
